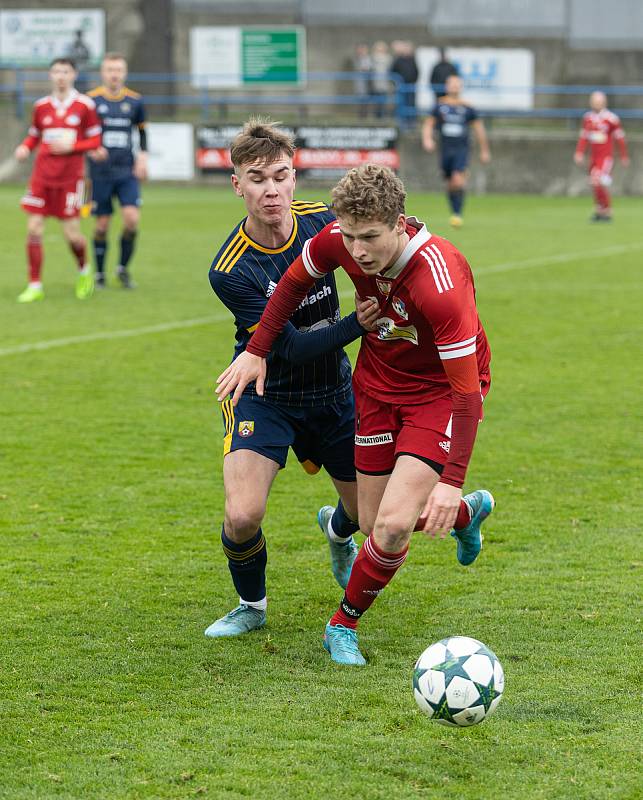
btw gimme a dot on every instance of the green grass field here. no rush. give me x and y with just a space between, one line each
111 503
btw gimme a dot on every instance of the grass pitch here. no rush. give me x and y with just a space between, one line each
111 502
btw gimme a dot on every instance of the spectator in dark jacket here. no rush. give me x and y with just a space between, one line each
441 71
405 66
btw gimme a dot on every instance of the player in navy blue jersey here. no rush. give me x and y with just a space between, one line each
114 169
453 118
308 402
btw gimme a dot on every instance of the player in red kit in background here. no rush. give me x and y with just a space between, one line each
420 377
64 127
601 128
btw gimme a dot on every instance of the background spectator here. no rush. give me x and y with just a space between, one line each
380 80
441 71
405 66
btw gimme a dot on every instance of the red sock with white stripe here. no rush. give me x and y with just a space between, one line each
34 258
372 571
79 249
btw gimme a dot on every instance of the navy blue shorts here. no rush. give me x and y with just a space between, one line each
456 160
126 189
320 437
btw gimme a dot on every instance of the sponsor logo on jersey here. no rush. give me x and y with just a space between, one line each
383 286
246 428
371 441
315 296
446 446
400 308
73 119
388 331
102 108
307 301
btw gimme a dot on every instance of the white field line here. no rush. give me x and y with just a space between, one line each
510 266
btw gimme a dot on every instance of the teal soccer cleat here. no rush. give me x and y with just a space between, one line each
342 554
240 620
341 643
469 539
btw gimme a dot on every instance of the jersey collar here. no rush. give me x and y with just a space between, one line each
64 104
414 244
271 251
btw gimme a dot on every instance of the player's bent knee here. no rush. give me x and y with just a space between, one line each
392 531
242 523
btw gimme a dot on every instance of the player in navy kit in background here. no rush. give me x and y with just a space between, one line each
114 170
452 117
308 402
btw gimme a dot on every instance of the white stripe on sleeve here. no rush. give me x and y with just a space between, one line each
311 269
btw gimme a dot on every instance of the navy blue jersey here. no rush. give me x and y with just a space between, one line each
119 114
453 121
244 275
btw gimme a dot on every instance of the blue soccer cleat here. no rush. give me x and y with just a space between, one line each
240 620
469 539
341 643
342 554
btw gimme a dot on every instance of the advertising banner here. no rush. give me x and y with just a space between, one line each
228 57
494 78
33 38
322 152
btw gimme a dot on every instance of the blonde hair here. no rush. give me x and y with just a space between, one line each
261 140
114 56
370 192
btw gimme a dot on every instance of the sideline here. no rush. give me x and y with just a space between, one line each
510 266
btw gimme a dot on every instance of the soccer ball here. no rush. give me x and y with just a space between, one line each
458 681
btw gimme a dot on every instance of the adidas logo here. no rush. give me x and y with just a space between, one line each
446 446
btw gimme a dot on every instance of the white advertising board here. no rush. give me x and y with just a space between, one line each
493 78
33 38
171 151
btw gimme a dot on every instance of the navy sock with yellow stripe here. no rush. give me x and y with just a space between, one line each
247 563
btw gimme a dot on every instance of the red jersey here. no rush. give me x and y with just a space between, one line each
600 130
429 341
73 120
427 314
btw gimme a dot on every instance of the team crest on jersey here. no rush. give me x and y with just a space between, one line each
73 119
388 331
125 107
246 428
400 308
383 286
48 120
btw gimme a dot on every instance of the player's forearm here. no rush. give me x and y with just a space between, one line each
290 291
298 347
464 426
83 145
30 141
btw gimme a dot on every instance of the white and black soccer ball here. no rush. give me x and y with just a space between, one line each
458 681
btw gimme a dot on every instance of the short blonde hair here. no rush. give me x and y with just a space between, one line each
260 140
114 56
370 192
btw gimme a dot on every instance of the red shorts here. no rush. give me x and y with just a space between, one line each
62 201
384 431
600 171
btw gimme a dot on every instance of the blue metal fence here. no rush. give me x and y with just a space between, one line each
333 91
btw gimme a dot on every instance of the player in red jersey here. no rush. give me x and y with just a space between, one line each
601 128
420 377
64 127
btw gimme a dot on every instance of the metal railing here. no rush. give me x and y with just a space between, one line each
334 91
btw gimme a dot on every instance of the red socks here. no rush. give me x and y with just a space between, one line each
34 258
602 198
461 521
79 249
372 571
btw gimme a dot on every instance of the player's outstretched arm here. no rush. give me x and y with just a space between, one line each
243 370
